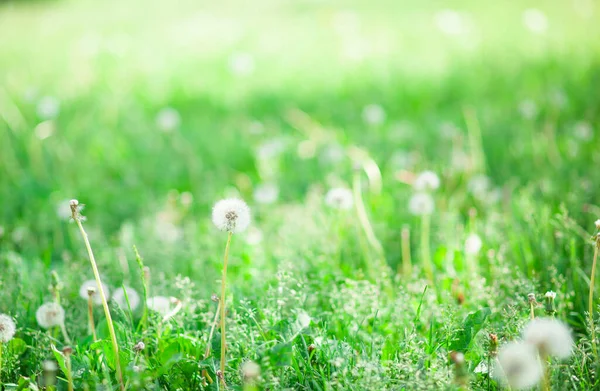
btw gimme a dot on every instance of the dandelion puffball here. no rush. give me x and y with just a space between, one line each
50 315
160 304
421 204
339 198
473 244
7 328
132 296
427 181
550 336
96 299
231 215
373 114
518 366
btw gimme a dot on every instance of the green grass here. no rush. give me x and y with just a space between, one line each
113 68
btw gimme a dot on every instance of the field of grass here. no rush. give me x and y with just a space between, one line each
151 112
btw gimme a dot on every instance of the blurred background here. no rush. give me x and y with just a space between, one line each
149 111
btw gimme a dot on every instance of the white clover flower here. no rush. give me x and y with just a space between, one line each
168 119
427 181
373 114
7 328
96 299
421 204
339 198
48 107
535 20
160 304
50 315
132 296
266 193
518 366
550 336
241 64
473 244
231 215
550 295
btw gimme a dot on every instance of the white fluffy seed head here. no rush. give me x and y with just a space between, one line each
339 198
50 315
250 370
597 223
518 366
231 215
7 328
96 299
160 304
421 204
550 295
550 336
427 181
132 296
473 244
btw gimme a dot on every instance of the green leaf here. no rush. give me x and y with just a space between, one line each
17 346
281 354
471 326
60 358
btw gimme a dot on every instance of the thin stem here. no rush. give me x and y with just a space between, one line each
546 379
425 249
532 310
69 372
91 318
223 305
210 337
140 262
406 261
63 329
591 298
111 327
1 348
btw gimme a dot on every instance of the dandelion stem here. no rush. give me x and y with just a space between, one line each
223 307
69 372
91 318
63 329
591 298
532 310
425 249
140 262
546 379
406 261
111 328
1 348
208 343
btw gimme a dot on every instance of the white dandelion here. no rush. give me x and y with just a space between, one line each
231 215
250 370
63 210
92 284
473 244
373 114
421 204
339 198
266 193
50 315
168 119
132 296
427 181
160 304
7 328
550 295
550 336
518 366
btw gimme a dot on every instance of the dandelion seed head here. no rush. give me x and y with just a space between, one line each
231 215
550 295
50 315
427 181
7 328
339 198
168 119
84 291
518 366
49 366
421 204
132 295
250 370
160 304
550 336
373 114
473 244
597 224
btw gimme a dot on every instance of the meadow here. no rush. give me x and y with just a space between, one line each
421 177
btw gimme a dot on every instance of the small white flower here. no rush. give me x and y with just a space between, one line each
421 204
132 296
550 295
241 64
48 107
473 244
303 320
266 193
96 299
535 20
160 304
518 366
427 181
231 215
550 336
373 114
339 198
7 328
50 315
482 367
168 119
